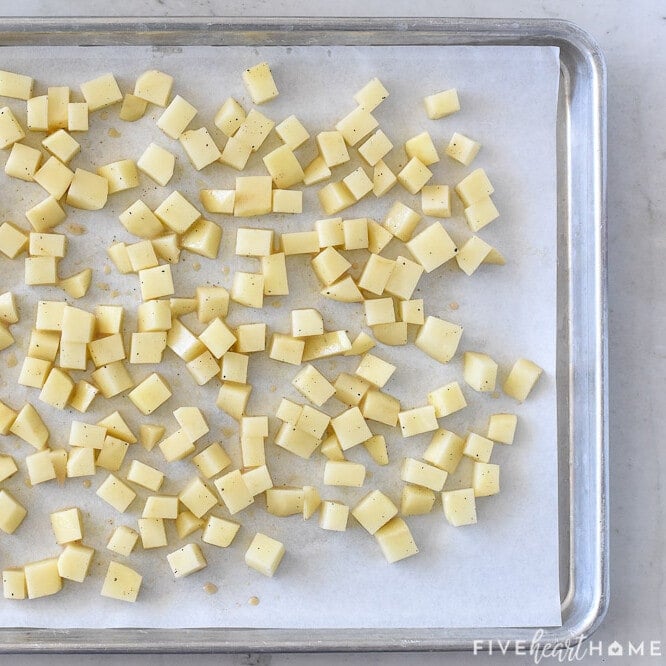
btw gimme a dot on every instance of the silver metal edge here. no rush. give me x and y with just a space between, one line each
588 598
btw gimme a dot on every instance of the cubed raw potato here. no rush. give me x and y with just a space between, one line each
116 493
203 368
422 474
7 467
296 441
167 247
375 148
217 337
133 108
331 449
288 201
401 221
154 86
485 479
350 389
374 511
522 378
235 154
292 132
10 128
156 282
253 451
306 322
311 501
12 513
197 497
111 379
253 196
176 446
44 344
355 233
478 447
248 289
177 213
157 163
436 200
37 115
383 179
414 175
502 428
432 247
74 356
18 86
260 83
313 421
335 197
439 339
12 240
121 583
150 394
356 125
233 491
287 349
310 383
45 215
23 162
381 407
13 584
118 254
57 389
212 302
274 272
219 532
316 171
117 427
62 146
412 312
200 147
264 554
344 473
474 187
329 265
34 372
479 371
218 201
234 367
77 285
121 175
376 447
396 540
284 501
371 95
106 350
83 395
462 149
284 167
87 191
161 506
66 525
254 242
176 117
7 418
42 578
332 148
41 270
330 232
379 311
350 428
358 183
416 500
101 92
473 253
187 523
289 411
74 562
422 147
123 540
333 516
152 533
80 462
375 370
258 480
459 507
328 344
376 274
442 104
183 342
229 117
254 130
145 476
447 399
58 104
29 427
417 421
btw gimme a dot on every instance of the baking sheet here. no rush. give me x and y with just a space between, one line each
501 572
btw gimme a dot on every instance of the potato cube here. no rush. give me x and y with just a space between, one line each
371 95
274 272
375 370
80 462
37 116
286 349
284 501
82 396
234 367
436 200
459 507
379 311
107 349
260 83
23 162
472 254
212 302
156 282
200 147
57 389
332 148
312 421
187 523
248 289
289 411
114 492
233 398
375 148
77 285
422 474
111 379
330 232
328 344
253 196
288 201
414 175
133 108
439 339
154 86
42 578
306 322
47 245
358 183
522 378
218 201
264 554
335 197
478 447
310 383
316 171
13 584
432 247
62 146
157 163
121 583
292 132
145 476
101 92
217 337
77 117
333 516
445 450
177 446
350 389
401 221
344 473
34 372
376 447
254 242
422 147
29 427
416 500
378 406
7 467
123 540
417 421
12 513
41 270
44 344
383 179
121 175
234 492
253 451
203 368
87 191
7 418
257 480
45 215
395 540
485 479
374 511
177 213
229 117
58 103
412 312
376 274
235 154
462 149
152 533
356 125
442 104
296 441
331 449
197 498
8 310
284 167
12 241
479 371
115 426
502 428
394 333
18 86
161 506
329 265
150 394
74 562
219 532
176 117
183 342
447 399
10 128
350 428
474 187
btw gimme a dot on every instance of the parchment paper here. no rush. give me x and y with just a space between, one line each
501 572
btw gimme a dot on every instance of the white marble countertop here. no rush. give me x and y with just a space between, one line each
633 37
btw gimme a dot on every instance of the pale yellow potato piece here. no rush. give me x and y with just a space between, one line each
479 371
42 578
422 474
264 554
395 540
418 420
333 516
260 83
121 583
459 507
522 378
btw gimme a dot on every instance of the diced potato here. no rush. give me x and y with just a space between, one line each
306 322
42 578
234 492
111 379
123 540
121 175
83 395
383 179
150 394
260 83
371 95
432 247
145 476
197 498
401 221
376 447
310 383
37 113
422 147
284 501
292 132
23 162
296 441
331 449
13 584
187 523
462 149
376 274
176 446
479 371
416 500
58 104
459 507
316 172
396 540
156 282
381 407
200 147
154 86
313 421
40 467
87 191
157 163
74 562
257 480
121 583
355 233
329 265
472 254
248 289
287 349
116 493
442 104
311 501
253 451
133 108
7 467
219 532
177 213
344 473
7 418
66 525
439 339
253 131
41 270
77 285
502 428
212 460
485 479
161 506
417 421
12 240
116 427
335 197
12 513
101 92
284 167
253 196
436 200
356 125
57 389
332 148
379 311
375 148
80 462
333 516
229 117
176 117
374 511
10 128
274 272
329 344
350 389
414 175
264 554
152 533
474 187
422 474
522 378
288 201
29 427
447 399
375 370
45 215
478 448
34 372
18 86
350 428
218 201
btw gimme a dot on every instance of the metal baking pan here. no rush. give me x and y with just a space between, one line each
582 328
